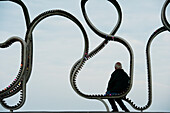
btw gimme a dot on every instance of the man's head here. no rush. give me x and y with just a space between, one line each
118 65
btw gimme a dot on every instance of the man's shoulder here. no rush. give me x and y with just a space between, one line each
119 72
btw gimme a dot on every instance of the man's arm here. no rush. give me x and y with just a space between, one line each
111 82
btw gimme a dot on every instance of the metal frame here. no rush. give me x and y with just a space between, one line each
19 84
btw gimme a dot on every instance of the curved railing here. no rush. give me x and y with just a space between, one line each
148 58
163 15
19 84
25 70
111 37
20 80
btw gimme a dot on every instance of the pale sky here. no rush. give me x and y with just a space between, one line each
58 44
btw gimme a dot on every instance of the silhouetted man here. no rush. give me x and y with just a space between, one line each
118 83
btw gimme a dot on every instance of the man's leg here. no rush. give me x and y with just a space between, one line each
121 104
113 104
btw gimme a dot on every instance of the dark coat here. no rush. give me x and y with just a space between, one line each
118 82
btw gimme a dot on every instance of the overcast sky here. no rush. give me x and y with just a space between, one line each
58 44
